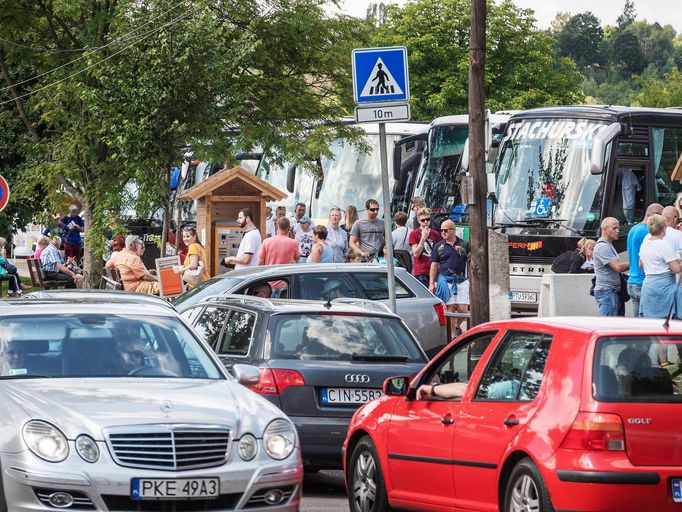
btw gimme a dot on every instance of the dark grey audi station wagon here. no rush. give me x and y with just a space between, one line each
319 361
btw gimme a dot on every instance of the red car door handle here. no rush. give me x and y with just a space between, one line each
511 421
447 420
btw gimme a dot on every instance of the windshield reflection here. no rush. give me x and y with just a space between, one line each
544 173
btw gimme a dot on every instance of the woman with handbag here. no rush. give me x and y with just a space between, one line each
194 269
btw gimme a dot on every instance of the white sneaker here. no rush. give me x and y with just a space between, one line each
10 293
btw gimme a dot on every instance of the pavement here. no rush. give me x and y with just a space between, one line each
22 266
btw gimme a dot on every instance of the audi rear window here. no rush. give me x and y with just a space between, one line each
342 338
638 369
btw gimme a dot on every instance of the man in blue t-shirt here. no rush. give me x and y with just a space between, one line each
448 273
73 225
634 244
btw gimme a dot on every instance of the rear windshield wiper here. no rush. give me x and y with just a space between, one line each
378 358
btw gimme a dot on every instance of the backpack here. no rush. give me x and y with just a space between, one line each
404 259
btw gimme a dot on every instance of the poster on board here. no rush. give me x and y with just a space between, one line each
170 283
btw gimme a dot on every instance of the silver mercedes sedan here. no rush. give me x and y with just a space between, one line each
119 407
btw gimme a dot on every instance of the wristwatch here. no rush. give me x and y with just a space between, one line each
433 390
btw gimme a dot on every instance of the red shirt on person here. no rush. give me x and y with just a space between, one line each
279 250
422 265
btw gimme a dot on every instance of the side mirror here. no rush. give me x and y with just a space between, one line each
397 158
246 374
465 156
397 386
291 178
601 140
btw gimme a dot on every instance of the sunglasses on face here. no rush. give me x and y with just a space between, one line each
135 353
372 209
424 220
445 230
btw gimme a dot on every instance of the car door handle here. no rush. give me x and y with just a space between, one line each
511 421
447 420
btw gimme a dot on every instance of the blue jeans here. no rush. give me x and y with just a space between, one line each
635 293
608 302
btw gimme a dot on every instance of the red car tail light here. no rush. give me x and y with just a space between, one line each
440 311
275 381
596 432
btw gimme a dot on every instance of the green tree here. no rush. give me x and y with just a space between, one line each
626 52
522 69
581 39
627 16
139 79
661 93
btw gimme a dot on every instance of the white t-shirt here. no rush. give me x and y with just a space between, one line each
250 244
672 236
655 256
270 229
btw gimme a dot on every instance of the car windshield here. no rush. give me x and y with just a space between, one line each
96 345
342 337
211 287
439 173
638 369
544 173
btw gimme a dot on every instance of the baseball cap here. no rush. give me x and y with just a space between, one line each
73 208
305 218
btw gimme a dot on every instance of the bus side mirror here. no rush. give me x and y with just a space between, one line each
397 157
291 178
601 140
408 166
492 187
320 180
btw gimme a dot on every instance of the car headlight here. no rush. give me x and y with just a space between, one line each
279 439
87 448
46 441
247 447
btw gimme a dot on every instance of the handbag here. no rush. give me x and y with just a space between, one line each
623 293
194 277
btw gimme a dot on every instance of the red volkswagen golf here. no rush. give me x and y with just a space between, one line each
529 415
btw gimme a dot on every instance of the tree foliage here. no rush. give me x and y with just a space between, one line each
581 39
661 93
522 69
121 85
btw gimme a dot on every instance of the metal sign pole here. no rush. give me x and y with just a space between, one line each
387 217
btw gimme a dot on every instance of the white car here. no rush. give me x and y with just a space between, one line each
119 407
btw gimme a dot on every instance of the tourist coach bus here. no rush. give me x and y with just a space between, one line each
561 170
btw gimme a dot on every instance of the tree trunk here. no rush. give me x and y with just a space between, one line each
92 263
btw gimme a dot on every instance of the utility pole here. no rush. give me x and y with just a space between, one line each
478 229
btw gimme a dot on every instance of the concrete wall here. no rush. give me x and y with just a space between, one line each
569 295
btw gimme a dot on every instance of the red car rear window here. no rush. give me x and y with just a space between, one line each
638 369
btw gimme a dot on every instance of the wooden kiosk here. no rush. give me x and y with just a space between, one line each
219 199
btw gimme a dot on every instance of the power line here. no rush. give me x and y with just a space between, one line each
123 38
144 36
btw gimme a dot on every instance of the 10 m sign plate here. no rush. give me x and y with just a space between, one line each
382 113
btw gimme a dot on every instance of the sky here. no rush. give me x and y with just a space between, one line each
662 11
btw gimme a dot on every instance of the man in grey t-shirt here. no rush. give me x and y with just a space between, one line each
367 235
607 269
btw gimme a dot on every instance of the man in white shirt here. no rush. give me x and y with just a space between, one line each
299 212
270 229
249 248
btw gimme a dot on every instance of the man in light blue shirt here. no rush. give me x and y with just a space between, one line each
634 244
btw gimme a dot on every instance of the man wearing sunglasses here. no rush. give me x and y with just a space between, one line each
422 241
367 235
448 275
129 356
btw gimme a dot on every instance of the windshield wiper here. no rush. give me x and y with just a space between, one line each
378 358
20 376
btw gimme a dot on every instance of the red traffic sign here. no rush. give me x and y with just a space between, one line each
4 193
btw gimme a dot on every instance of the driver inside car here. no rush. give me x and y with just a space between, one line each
12 358
129 355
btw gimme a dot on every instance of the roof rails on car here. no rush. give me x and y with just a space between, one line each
370 304
244 299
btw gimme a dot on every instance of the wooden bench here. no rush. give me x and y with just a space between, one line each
111 279
38 279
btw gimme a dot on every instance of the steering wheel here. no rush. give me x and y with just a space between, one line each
147 370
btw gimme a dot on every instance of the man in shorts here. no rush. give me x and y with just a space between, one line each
448 275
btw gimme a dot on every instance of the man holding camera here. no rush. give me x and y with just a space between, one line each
73 225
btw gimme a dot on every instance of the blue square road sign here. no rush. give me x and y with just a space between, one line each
380 75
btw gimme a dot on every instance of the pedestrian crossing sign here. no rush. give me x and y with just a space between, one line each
380 75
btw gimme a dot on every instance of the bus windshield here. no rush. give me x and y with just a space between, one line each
439 173
544 174
351 176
